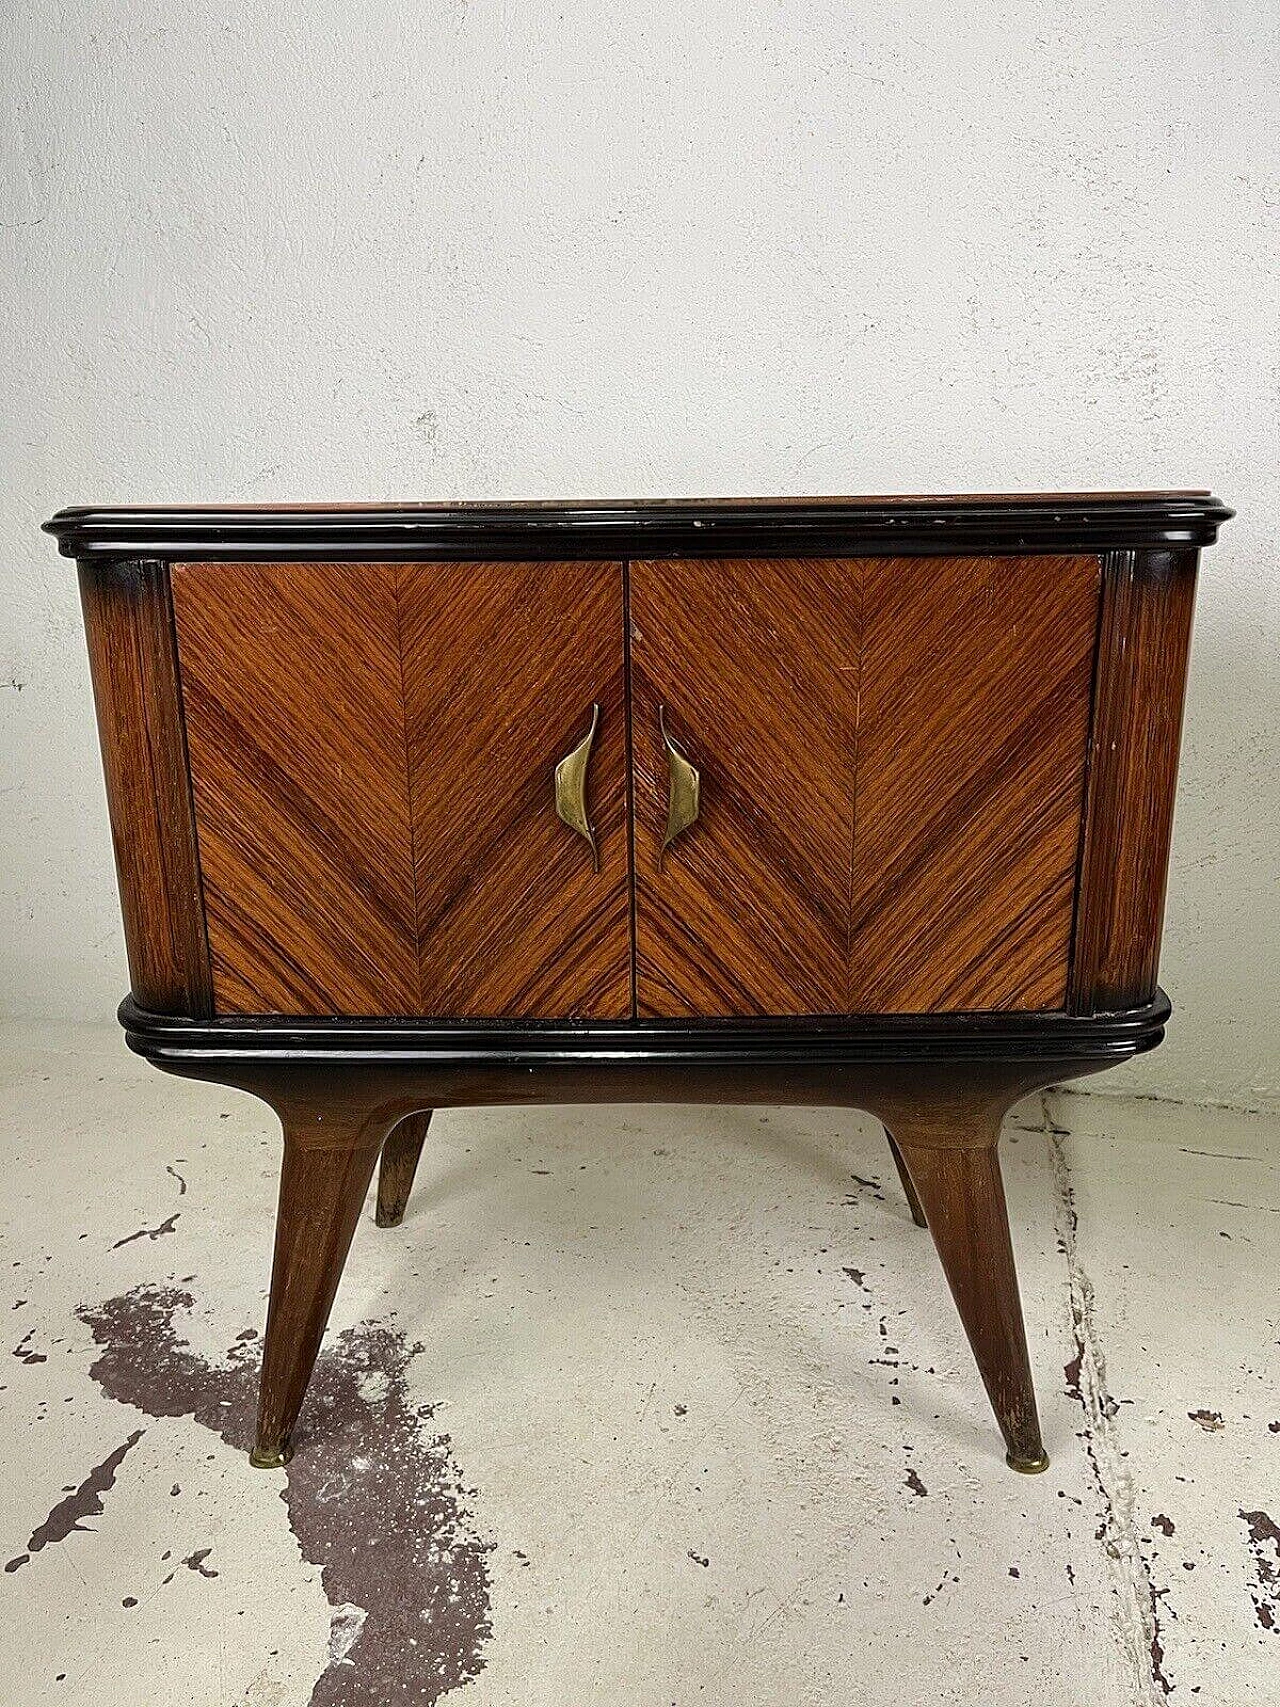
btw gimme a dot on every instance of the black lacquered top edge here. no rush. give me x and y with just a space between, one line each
513 1043
649 527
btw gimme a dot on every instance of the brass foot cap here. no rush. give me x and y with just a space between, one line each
270 1457
1027 1466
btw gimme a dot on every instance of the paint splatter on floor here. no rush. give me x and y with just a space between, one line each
374 1495
196 1562
69 1515
1264 1549
1137 1599
153 1233
1210 1421
23 1350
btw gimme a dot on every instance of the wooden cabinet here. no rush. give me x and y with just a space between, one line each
850 801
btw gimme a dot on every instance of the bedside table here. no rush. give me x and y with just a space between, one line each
862 802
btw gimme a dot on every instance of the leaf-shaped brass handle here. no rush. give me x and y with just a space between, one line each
571 788
683 789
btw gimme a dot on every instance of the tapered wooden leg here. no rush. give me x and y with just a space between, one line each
399 1163
962 1194
331 1143
908 1186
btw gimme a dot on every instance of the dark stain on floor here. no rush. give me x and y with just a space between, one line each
196 1562
1210 1421
152 1233
374 1495
868 1185
1264 1549
83 1502
23 1352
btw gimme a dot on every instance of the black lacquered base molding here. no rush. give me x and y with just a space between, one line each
1092 1040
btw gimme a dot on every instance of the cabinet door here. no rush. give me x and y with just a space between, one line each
891 754
752 667
372 753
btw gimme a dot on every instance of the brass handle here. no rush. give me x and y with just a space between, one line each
571 788
683 790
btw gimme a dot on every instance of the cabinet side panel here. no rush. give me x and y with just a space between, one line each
754 665
973 728
132 660
1148 599
295 726
503 663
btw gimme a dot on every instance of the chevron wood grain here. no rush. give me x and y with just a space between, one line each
502 664
372 754
892 755
295 729
976 683
756 664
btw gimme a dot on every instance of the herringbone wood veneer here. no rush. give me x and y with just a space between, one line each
502 664
295 728
372 751
892 755
976 681
757 666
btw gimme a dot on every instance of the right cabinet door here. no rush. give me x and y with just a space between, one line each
891 756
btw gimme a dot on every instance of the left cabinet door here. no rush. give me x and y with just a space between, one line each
373 750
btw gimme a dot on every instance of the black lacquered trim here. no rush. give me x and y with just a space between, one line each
649 1043
673 527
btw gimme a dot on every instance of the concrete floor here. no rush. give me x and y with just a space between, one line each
640 1406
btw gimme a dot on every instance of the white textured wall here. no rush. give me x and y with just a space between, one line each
498 249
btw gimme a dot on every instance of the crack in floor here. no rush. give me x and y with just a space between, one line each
1136 1598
